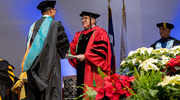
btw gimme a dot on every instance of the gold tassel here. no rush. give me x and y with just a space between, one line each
164 24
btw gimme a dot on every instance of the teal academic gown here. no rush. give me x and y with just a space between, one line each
44 76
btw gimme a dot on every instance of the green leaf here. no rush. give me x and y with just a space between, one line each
101 73
145 85
177 67
89 92
153 92
129 73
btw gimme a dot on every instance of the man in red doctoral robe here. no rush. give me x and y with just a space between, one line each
92 47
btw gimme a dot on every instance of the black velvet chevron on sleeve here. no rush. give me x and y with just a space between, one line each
62 41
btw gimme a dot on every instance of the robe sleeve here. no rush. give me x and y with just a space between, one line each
176 42
62 41
100 51
72 49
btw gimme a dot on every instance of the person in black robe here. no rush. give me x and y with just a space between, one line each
166 40
7 79
44 73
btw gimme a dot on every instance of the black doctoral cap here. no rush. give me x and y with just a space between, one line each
93 15
165 25
45 4
90 14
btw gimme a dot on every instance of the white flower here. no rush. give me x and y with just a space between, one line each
175 50
134 60
159 51
123 62
149 50
142 50
176 79
164 59
131 53
150 56
170 80
165 81
149 64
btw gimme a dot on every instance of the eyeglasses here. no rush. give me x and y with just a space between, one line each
84 18
54 9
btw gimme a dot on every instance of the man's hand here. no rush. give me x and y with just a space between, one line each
21 83
81 57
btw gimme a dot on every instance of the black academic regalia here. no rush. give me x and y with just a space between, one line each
6 80
176 42
44 76
83 41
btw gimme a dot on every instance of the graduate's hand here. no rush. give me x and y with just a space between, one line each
21 83
81 57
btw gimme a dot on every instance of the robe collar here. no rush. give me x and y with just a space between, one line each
89 30
166 39
45 16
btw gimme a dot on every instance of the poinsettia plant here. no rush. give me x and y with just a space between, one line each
144 85
173 66
115 87
152 66
143 75
147 59
154 84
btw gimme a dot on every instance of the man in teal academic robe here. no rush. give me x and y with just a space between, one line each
166 40
47 44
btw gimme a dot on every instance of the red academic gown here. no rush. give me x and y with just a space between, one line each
97 53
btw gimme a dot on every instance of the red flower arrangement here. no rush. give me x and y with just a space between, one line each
173 66
114 87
